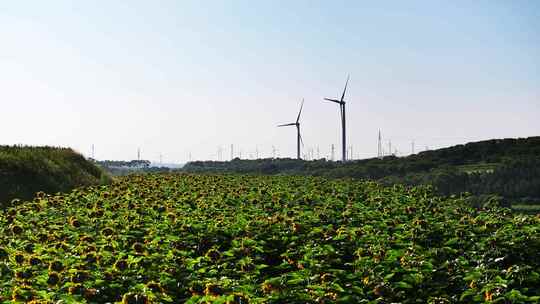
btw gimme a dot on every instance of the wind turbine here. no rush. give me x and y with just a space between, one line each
297 124
341 103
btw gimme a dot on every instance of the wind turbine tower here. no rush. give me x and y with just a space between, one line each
341 103
379 147
298 136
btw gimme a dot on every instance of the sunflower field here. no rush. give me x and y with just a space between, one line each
263 239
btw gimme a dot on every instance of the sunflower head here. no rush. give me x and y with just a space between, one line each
22 294
19 258
53 279
79 277
76 289
213 254
23 274
16 229
42 237
3 254
238 298
138 247
74 222
35 261
107 231
56 266
90 257
133 298
87 239
121 265
90 293
155 287
196 288
29 248
213 289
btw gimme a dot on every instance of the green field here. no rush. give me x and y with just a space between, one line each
264 239
529 209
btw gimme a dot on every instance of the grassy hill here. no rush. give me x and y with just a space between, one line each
26 170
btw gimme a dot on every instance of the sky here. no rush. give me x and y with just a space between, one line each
187 78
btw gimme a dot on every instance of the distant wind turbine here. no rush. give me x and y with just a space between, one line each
297 124
341 103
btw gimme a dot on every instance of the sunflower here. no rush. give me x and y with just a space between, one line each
77 289
74 222
56 266
3 254
87 239
79 277
155 287
22 294
107 231
138 247
213 254
133 298
121 265
213 289
35 261
16 229
196 289
29 248
23 274
238 298
53 279
19 258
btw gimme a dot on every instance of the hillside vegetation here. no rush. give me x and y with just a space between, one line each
26 170
264 239
509 168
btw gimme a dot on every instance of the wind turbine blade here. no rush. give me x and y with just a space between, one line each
345 89
298 118
333 100
289 124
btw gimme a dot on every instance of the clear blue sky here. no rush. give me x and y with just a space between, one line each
180 77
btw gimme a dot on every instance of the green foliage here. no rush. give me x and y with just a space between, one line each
27 170
509 168
264 239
